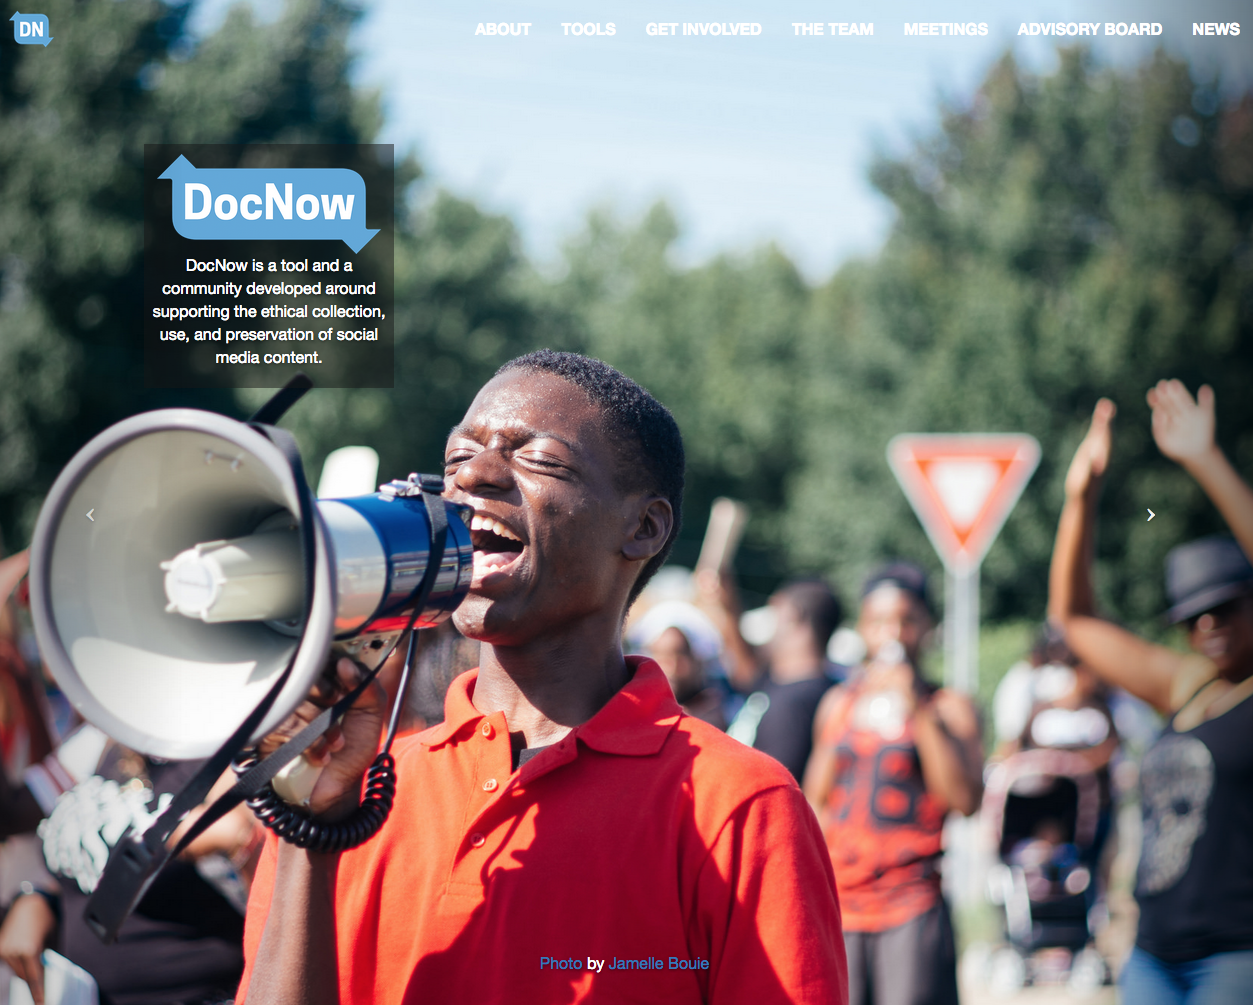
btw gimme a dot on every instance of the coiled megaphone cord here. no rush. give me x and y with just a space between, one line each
297 827
294 825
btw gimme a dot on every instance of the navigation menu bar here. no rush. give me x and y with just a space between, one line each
1063 31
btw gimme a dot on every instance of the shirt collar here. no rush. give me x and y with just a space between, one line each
634 722
459 711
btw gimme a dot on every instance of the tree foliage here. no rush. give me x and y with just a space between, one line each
1059 239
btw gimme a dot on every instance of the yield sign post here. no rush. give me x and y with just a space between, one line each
962 486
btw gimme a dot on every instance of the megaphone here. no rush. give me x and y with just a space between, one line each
168 579
187 590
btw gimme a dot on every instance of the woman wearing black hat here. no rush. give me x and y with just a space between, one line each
1195 882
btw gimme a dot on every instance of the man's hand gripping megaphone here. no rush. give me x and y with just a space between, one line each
340 757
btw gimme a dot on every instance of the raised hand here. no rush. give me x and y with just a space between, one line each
1092 457
1182 428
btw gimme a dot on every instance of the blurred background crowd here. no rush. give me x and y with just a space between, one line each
1057 237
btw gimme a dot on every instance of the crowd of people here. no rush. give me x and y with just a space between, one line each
608 808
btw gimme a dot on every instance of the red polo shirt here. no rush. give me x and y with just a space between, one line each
688 865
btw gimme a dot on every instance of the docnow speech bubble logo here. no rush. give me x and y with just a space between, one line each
249 204
31 29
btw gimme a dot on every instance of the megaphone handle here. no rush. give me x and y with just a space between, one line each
298 828
137 858
296 782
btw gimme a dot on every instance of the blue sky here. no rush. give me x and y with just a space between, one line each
748 139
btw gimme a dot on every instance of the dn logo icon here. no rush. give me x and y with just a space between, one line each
31 29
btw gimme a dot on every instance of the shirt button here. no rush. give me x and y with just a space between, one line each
477 840
489 785
486 729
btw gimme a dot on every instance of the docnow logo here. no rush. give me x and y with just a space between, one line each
31 29
248 204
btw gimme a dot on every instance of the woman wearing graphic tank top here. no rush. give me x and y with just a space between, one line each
1195 882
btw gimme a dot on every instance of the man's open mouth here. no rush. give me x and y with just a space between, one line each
495 545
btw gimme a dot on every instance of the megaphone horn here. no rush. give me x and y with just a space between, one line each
166 615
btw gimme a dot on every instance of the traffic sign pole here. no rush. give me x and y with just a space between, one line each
961 630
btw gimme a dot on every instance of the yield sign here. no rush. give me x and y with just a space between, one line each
963 486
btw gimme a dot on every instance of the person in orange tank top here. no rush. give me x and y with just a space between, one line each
892 756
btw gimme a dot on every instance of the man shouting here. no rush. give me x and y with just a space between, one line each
567 834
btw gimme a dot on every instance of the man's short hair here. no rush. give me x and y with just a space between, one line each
815 604
649 444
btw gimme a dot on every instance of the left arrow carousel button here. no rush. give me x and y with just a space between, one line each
89 514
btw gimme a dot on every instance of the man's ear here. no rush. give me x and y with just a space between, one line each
650 528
